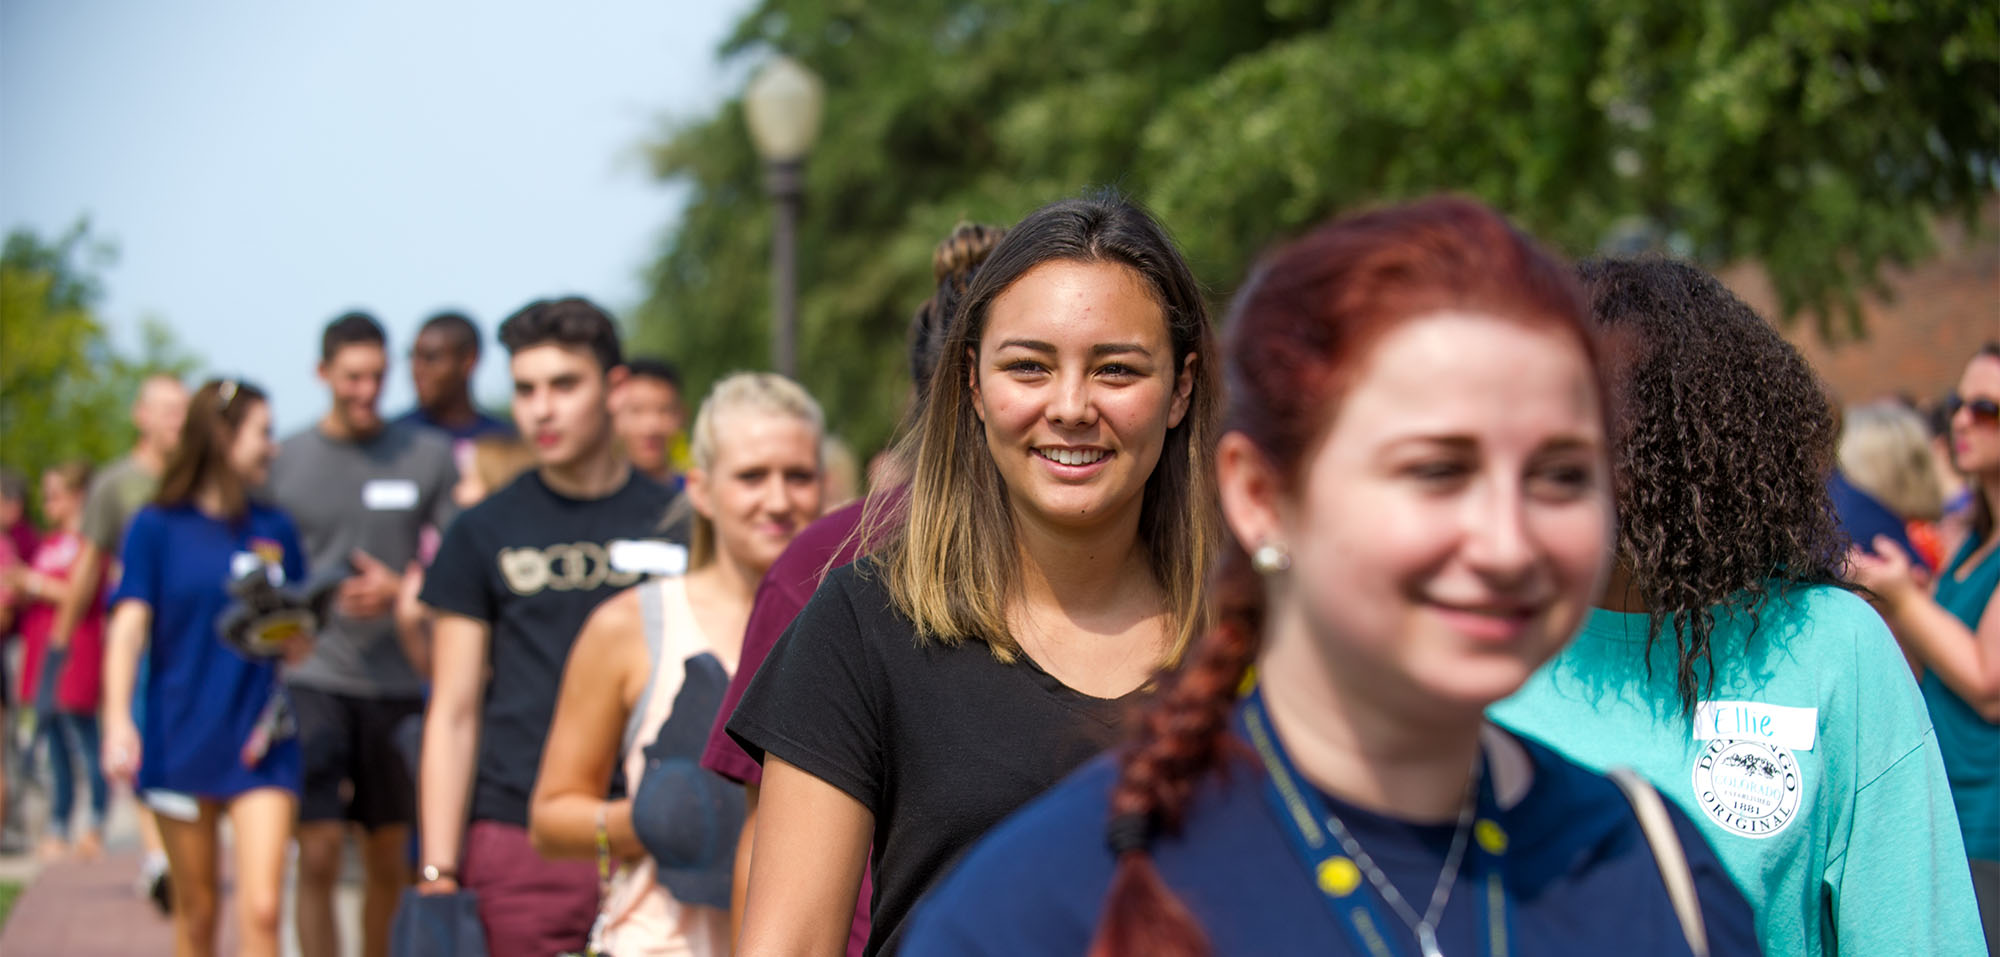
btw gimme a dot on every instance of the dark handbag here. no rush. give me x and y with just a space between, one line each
685 815
437 925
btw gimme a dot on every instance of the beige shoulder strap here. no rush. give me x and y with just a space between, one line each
1667 852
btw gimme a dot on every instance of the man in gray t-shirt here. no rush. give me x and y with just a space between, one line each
361 492
363 504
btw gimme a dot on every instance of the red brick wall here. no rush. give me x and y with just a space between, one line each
1917 341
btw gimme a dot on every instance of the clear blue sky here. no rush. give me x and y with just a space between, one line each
264 166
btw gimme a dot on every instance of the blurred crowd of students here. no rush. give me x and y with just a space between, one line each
1444 597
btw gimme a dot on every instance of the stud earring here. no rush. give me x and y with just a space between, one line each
1270 558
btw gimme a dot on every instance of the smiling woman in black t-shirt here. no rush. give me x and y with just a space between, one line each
1049 558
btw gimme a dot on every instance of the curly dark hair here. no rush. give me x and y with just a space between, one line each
1725 440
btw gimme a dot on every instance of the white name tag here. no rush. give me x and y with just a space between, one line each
389 495
1786 727
647 557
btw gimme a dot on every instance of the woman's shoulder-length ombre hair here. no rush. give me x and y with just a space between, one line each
948 554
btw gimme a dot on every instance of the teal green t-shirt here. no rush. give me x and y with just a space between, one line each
1970 743
1810 767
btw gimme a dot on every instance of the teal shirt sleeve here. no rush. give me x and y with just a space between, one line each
1904 853
1896 884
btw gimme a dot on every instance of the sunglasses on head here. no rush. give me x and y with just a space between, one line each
1984 411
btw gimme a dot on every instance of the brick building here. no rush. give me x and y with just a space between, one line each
1919 339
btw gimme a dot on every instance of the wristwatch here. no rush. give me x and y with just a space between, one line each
431 873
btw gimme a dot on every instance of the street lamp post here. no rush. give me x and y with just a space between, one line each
782 107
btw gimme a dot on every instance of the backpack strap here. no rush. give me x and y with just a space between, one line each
1667 852
652 625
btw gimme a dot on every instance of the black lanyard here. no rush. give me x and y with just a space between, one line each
1356 905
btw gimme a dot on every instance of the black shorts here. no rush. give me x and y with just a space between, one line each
353 769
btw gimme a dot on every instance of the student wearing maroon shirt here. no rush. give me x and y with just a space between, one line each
63 681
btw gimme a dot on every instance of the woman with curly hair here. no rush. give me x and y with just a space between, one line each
1415 477
1726 661
1951 629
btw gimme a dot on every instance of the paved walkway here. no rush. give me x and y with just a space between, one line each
76 909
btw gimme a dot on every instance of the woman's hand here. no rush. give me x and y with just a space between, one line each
121 749
1887 571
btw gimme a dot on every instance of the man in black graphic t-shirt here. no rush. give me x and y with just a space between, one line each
513 582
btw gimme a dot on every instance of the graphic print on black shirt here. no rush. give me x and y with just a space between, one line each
940 743
533 565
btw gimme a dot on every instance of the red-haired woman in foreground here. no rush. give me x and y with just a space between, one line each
1416 476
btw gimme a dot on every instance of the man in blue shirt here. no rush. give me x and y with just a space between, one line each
442 359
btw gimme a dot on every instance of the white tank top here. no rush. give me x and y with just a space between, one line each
640 918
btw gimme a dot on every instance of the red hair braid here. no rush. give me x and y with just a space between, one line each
1178 741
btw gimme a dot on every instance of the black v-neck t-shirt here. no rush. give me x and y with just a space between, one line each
938 742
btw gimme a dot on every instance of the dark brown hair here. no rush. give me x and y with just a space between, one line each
573 322
953 265
1720 457
1298 335
348 329
202 458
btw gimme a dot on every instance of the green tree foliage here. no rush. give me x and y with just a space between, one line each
1821 137
65 390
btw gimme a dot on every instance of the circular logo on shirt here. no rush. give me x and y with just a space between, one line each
1749 787
573 566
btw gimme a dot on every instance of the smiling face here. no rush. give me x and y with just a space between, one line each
1452 528
762 488
354 378
1076 382
559 403
251 451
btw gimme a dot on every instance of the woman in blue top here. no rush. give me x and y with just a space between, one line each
1952 632
207 728
1415 470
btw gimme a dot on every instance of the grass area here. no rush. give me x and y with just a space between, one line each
9 890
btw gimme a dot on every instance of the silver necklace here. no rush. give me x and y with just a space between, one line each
1424 927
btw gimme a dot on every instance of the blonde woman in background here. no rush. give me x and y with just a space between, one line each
667 647
1885 452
